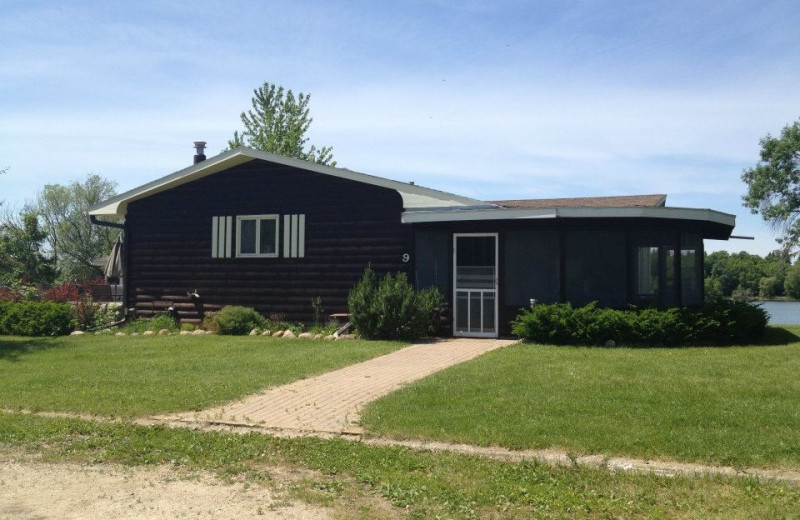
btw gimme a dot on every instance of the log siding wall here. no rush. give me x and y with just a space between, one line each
347 226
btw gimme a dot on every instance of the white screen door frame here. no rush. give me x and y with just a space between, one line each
483 294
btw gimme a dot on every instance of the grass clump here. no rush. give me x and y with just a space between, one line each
155 324
734 406
419 484
140 375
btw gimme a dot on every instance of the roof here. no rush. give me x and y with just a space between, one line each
622 201
428 205
719 224
413 196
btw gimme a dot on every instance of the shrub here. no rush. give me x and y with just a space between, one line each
719 323
156 323
64 293
390 308
237 320
36 318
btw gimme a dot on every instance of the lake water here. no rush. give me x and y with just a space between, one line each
782 313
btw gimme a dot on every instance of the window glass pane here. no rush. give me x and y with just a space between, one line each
475 267
247 236
595 267
488 311
462 303
269 229
646 272
670 294
691 245
475 312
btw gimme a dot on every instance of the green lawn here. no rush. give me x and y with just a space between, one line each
419 485
735 406
130 376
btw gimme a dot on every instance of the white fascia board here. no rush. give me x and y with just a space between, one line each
413 196
456 215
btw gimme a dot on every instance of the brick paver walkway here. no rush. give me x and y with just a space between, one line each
332 402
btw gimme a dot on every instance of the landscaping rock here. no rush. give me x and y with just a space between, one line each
319 336
77 333
149 333
254 332
120 334
198 332
163 332
289 334
135 334
306 335
210 332
185 332
266 333
347 336
610 343
330 337
278 334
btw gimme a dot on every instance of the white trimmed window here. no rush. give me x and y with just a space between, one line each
257 236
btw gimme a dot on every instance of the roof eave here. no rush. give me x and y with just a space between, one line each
413 196
457 215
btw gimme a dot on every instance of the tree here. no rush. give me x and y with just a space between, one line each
792 283
773 185
22 258
73 239
278 123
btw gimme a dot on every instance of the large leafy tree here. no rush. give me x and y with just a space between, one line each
278 123
773 185
22 256
73 239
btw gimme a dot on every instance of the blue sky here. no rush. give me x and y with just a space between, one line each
487 99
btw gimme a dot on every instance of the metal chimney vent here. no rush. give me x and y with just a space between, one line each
200 148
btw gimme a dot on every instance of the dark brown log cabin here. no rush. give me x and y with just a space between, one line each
251 228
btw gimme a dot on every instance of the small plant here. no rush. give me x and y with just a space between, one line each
86 311
235 320
390 308
156 323
316 306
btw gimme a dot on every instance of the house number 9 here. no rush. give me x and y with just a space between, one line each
406 258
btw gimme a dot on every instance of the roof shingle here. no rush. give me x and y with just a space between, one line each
622 201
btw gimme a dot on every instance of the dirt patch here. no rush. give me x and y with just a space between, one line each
36 490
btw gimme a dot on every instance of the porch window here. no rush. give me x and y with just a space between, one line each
647 273
257 236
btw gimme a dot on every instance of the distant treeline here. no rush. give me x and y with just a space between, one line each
744 276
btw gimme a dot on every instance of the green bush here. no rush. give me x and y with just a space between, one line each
156 323
235 320
27 318
721 322
390 308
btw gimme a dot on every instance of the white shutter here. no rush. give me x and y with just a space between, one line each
221 237
294 236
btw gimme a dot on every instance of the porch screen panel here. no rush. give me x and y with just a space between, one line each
530 267
595 267
432 263
691 268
